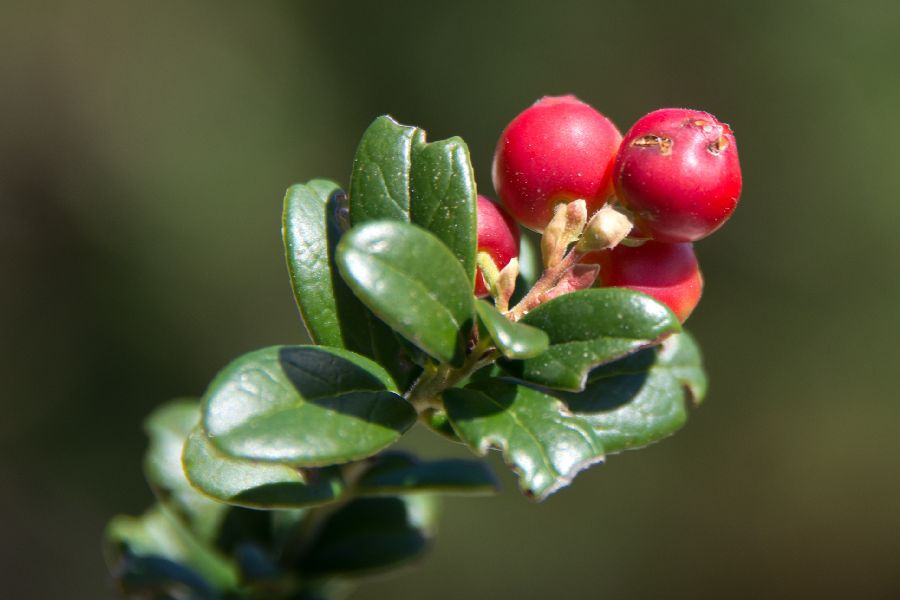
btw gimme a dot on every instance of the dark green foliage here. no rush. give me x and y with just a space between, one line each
545 444
304 406
400 472
513 340
590 328
277 483
407 277
370 534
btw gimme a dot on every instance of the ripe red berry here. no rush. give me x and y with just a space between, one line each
678 171
558 149
498 235
668 272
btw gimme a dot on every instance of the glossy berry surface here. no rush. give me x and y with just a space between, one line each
498 235
558 149
667 272
678 172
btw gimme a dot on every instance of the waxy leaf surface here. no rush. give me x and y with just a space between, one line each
412 281
315 216
589 328
514 340
255 484
379 183
443 197
168 427
539 438
304 406
643 397
310 232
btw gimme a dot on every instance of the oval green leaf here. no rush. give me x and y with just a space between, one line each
379 183
310 232
402 473
514 340
443 196
413 282
305 406
644 397
168 427
545 444
332 314
589 328
255 484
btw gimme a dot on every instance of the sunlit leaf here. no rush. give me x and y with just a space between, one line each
413 282
539 438
589 328
255 484
305 406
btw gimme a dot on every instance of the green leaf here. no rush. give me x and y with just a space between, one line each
539 438
371 534
443 197
305 406
155 553
644 397
379 183
403 473
255 484
332 314
398 176
310 232
514 340
167 427
411 281
589 328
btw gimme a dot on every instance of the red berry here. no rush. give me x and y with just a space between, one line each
668 272
558 149
678 171
498 235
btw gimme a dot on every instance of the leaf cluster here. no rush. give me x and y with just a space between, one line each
279 481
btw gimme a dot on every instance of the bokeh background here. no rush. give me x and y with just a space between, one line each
144 151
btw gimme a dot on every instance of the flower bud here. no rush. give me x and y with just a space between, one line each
605 230
564 228
506 285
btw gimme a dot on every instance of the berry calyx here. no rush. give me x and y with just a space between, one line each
498 236
677 170
557 150
668 272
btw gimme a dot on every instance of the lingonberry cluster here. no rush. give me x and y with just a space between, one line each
280 482
614 211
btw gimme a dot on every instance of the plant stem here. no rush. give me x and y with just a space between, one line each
548 280
425 393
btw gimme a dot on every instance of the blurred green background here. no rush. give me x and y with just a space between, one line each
144 151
